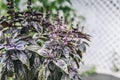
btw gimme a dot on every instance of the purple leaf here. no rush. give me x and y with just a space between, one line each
20 45
1 46
23 58
43 52
61 64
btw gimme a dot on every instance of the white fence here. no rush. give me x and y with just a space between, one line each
103 24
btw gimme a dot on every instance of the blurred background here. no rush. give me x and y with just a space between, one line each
101 19
103 24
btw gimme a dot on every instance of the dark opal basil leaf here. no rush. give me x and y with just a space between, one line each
15 33
20 45
37 62
66 52
37 27
14 40
56 75
51 67
82 47
32 73
43 73
77 77
14 56
3 76
32 42
43 52
21 72
15 44
23 58
7 66
77 62
65 77
10 68
78 57
33 48
85 43
28 53
61 64
79 53
1 46
9 47
72 74
5 57
24 30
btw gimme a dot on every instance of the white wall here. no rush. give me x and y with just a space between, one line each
103 24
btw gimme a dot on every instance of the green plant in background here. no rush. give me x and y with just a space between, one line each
3 8
64 7
34 47
115 68
90 71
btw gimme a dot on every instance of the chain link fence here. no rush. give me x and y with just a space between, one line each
103 24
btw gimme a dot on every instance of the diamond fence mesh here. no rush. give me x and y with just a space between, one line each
103 24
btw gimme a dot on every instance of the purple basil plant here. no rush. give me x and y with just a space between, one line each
32 47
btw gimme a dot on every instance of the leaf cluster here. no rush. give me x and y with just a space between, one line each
34 47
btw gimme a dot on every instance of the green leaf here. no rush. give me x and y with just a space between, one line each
61 64
60 1
69 1
10 78
17 2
